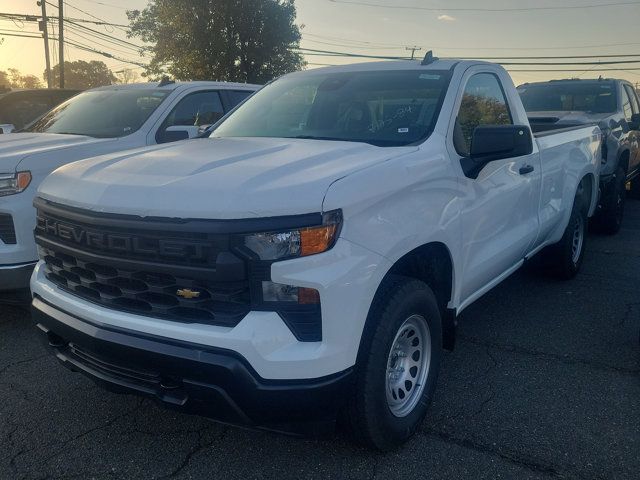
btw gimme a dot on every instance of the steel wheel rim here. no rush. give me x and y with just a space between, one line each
408 366
578 240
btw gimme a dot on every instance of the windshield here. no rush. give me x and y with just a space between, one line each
101 113
591 97
384 108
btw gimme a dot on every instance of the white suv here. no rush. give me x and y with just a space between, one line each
102 120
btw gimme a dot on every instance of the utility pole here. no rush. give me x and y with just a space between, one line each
61 42
413 49
45 35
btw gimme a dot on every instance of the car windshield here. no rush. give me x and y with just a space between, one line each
101 113
383 108
591 97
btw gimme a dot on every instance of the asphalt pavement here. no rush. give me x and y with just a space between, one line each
544 383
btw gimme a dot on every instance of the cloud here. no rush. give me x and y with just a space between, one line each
446 18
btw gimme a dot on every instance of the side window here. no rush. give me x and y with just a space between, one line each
483 103
635 108
237 96
196 109
626 105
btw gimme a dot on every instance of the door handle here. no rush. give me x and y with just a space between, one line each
526 169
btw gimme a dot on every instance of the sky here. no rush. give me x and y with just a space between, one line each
451 28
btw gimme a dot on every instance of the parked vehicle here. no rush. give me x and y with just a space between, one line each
99 121
18 108
312 255
614 106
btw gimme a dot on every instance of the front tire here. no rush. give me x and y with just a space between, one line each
398 364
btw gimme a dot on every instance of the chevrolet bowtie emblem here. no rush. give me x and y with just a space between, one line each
186 293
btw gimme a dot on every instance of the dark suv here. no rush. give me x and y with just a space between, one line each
614 106
21 107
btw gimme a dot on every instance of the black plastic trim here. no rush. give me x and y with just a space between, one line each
209 381
245 225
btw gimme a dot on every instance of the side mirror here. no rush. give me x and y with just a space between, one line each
7 128
495 142
178 132
634 124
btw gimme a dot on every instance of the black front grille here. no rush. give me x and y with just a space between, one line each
192 271
7 230
146 292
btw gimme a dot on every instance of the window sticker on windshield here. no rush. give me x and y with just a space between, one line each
403 130
429 76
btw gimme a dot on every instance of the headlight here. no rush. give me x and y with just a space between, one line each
296 243
14 183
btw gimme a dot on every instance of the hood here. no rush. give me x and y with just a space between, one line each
568 118
15 147
215 178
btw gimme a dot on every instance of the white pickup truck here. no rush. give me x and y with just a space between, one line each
99 121
312 255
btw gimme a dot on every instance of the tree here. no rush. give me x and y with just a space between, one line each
82 75
16 80
246 41
5 83
127 75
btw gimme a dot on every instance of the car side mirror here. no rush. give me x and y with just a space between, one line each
495 142
178 132
7 128
634 124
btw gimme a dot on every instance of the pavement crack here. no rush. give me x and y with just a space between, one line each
552 356
523 461
63 443
20 362
627 313
196 449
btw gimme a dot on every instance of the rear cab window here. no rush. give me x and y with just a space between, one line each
566 96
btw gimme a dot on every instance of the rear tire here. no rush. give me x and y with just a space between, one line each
398 364
563 260
609 218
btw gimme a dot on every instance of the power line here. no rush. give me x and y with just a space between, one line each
105 4
34 18
331 53
476 9
572 70
80 46
104 36
436 47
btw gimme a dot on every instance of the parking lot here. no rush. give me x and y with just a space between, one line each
544 382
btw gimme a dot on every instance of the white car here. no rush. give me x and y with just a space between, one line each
313 254
99 121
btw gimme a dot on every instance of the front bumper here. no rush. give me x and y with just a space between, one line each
15 277
193 378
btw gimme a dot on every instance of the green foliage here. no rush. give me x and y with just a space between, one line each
83 75
5 83
229 40
479 110
14 79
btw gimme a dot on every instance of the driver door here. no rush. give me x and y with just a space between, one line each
500 207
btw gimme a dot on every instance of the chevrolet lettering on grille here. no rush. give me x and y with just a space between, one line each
117 242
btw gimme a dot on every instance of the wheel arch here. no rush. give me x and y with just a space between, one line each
431 263
590 187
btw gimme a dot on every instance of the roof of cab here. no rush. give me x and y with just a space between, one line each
388 65
175 85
